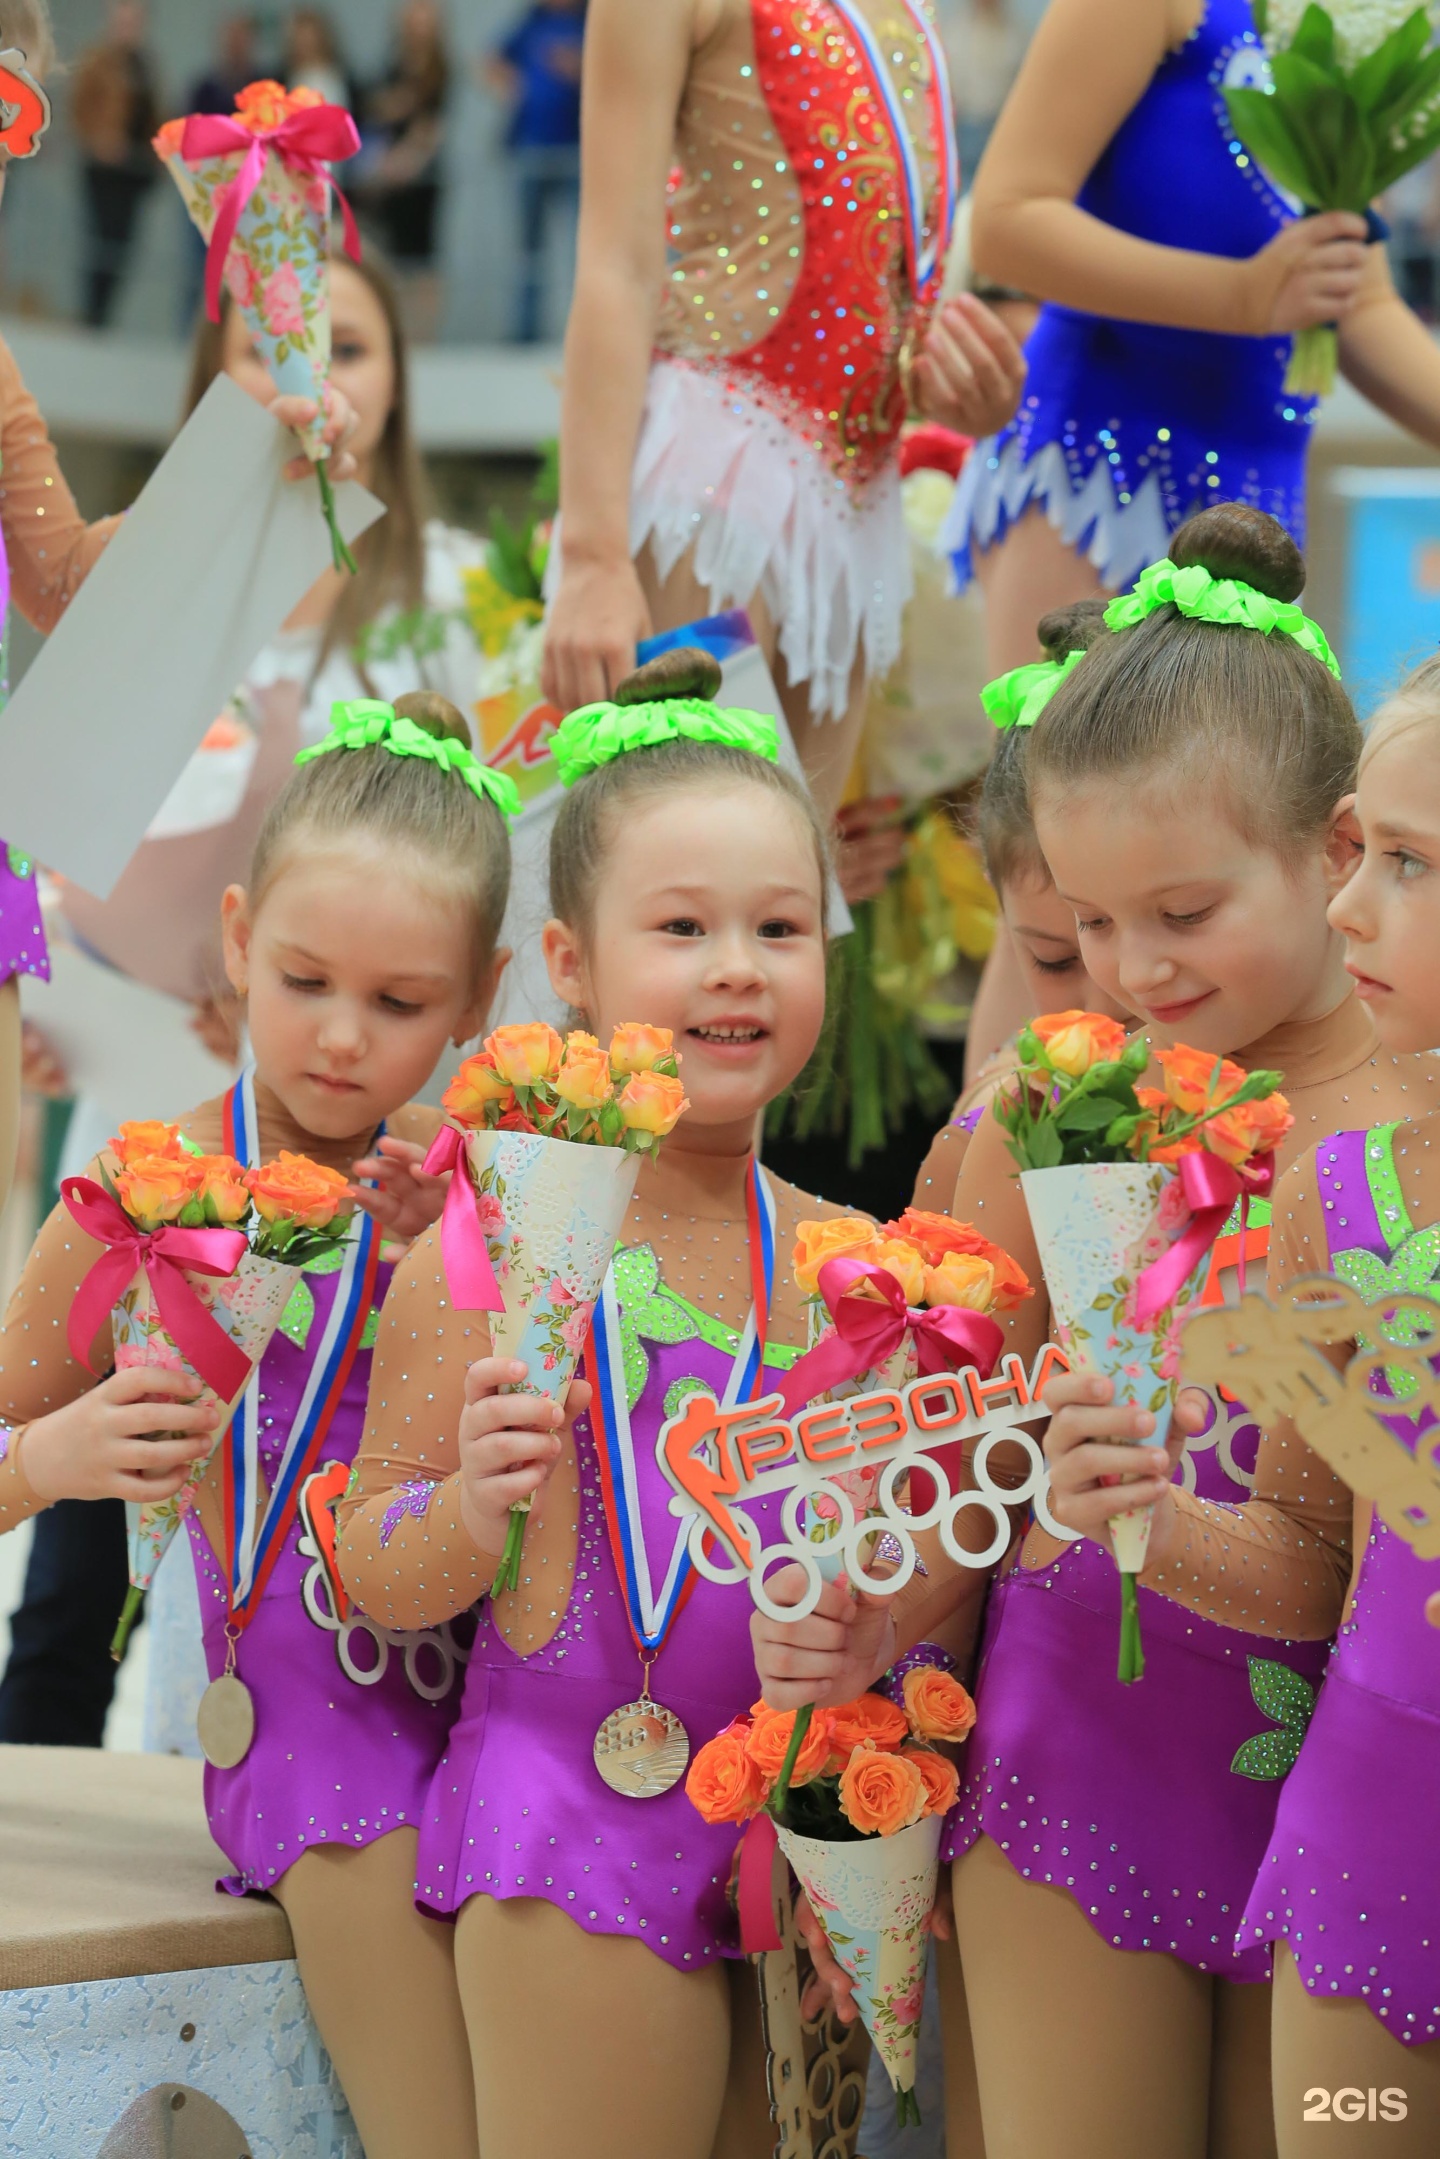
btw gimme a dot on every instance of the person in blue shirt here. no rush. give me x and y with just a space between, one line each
536 71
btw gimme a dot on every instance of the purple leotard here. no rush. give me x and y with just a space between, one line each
22 935
1348 1878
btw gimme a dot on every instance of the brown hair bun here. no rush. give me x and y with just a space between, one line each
1232 540
436 714
685 671
1071 629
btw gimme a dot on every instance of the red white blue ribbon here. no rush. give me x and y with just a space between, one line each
653 1607
255 1536
925 246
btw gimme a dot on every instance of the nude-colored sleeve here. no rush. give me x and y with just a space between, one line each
405 1554
50 547
940 1170
37 1371
1280 1564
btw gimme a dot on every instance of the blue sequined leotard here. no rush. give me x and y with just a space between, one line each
1127 427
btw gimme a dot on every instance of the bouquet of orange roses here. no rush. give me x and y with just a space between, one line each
201 1259
859 1806
1128 1187
545 1142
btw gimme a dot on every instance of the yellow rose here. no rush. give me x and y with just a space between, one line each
961 1278
157 1188
843 1236
525 1054
636 1048
652 1102
584 1077
1076 1040
906 1264
222 1189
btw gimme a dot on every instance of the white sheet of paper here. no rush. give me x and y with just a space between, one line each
214 555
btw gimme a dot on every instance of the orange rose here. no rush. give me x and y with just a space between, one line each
157 1188
881 1793
900 1258
584 1077
1249 1129
769 1736
844 1236
474 1087
261 105
166 142
292 1188
222 1189
637 1048
1158 1106
940 1777
653 1102
961 1278
937 1234
525 1054
149 1137
723 1782
871 1720
1191 1078
936 1704
1076 1040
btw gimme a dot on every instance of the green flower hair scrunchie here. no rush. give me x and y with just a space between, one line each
365 723
1225 600
596 735
1019 698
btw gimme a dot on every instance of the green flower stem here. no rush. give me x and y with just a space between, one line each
907 2109
1132 1652
1313 361
339 548
507 1575
134 1604
797 1739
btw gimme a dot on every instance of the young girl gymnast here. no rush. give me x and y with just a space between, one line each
688 885
1345 1888
1189 783
364 942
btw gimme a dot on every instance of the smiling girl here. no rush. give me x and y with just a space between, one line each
1343 1889
1189 783
364 942
688 886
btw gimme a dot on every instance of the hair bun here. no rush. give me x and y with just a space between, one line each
684 671
1232 540
435 714
1071 629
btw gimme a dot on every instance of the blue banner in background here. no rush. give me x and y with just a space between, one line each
1392 577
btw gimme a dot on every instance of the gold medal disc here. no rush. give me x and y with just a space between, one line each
225 1722
641 1749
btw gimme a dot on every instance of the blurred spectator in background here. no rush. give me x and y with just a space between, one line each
536 71
984 45
1413 208
115 110
312 57
401 185
236 62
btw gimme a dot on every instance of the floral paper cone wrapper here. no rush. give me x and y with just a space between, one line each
248 1305
873 1897
278 269
1097 1226
822 1515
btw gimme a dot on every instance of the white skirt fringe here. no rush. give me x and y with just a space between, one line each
716 472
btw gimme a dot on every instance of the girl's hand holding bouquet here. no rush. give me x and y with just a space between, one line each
509 1444
112 1444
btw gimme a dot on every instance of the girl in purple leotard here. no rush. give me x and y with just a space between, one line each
364 943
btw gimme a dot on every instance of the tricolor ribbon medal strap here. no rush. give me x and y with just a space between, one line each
256 1538
926 256
653 1609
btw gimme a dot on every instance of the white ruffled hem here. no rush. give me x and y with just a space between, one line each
716 472
1124 537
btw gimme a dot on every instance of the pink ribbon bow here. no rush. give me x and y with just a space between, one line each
867 1333
165 1254
473 1287
1211 1187
306 141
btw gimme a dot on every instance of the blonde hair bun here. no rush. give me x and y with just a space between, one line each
1232 540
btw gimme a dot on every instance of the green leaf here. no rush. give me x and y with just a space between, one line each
1046 1151
1280 1694
1383 75
1264 128
1268 1756
1315 38
1088 1113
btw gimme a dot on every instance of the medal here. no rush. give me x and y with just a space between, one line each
225 1721
642 1748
